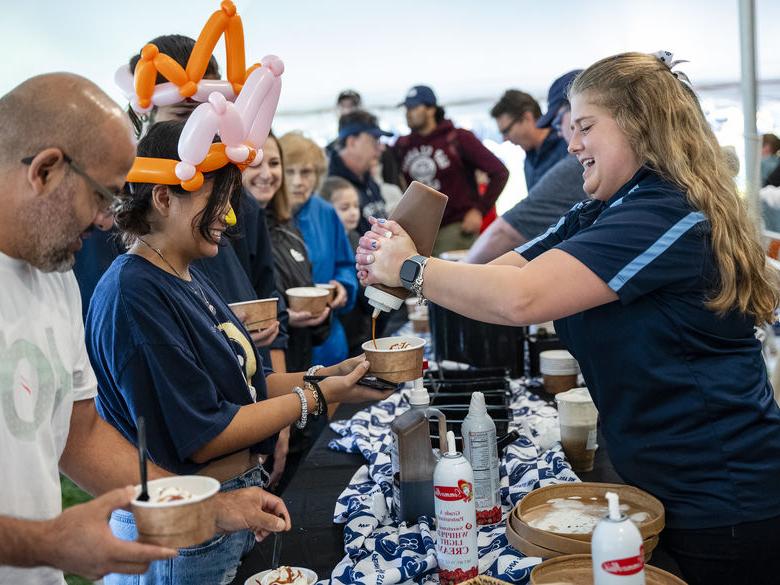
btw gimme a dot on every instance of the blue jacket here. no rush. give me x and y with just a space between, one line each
332 258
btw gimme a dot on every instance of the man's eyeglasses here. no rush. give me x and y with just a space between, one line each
108 199
508 128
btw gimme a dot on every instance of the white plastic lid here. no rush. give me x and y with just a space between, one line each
419 395
477 406
558 362
382 301
581 395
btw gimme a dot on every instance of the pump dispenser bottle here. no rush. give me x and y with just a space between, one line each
412 457
616 549
419 212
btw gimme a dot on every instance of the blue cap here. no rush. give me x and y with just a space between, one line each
419 95
556 97
359 128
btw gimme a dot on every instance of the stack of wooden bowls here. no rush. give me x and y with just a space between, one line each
536 542
578 570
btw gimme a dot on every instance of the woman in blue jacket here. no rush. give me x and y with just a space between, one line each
656 284
329 249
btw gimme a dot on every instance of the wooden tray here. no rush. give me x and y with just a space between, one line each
533 549
538 498
577 570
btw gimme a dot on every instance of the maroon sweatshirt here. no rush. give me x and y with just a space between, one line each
446 160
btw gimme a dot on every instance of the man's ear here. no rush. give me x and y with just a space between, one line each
161 199
46 169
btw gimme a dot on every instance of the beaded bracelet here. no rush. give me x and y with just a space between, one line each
301 423
312 371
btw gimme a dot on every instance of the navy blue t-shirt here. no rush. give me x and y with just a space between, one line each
542 159
158 351
683 396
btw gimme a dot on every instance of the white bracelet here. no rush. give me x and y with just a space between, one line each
301 423
312 371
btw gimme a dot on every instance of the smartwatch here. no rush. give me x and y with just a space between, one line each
411 270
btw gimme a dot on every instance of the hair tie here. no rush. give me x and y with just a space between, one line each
667 58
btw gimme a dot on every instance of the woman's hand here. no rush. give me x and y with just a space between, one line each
251 508
341 295
346 388
265 337
280 457
343 368
382 251
301 319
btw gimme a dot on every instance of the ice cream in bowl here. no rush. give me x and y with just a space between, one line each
395 359
180 511
284 575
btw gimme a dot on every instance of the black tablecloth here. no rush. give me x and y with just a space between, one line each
316 543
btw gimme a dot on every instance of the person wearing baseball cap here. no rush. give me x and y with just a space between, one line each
357 150
519 119
446 158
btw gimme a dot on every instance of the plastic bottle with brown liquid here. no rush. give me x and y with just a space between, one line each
419 212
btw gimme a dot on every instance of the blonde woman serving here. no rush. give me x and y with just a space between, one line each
655 283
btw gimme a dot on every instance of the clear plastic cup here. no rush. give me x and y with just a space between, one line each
578 420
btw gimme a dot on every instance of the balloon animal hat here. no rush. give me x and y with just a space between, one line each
243 126
187 82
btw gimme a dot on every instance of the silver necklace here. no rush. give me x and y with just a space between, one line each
190 282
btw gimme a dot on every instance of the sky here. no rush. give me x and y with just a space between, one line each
464 49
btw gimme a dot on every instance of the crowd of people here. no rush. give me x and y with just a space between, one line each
142 327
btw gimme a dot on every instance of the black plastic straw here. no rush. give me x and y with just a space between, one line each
144 495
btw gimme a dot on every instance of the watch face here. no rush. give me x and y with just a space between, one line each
409 271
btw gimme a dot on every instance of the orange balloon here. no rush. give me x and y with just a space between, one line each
170 69
194 183
204 46
160 171
145 78
234 52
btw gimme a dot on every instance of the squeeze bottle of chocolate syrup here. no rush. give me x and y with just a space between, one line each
419 212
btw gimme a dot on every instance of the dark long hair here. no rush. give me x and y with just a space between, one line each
161 141
179 48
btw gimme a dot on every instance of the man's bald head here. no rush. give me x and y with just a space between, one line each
64 111
77 145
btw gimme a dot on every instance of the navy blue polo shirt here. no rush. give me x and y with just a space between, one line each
683 396
158 351
542 159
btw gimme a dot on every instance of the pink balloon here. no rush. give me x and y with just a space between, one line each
231 126
252 95
198 134
208 86
261 126
166 94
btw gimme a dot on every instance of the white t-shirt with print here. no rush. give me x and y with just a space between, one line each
44 368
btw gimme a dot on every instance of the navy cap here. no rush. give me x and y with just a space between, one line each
359 128
556 97
419 95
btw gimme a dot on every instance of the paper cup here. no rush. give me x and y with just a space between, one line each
330 288
578 420
257 578
559 370
308 298
395 365
179 523
259 314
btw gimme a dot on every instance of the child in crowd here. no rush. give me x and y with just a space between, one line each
343 196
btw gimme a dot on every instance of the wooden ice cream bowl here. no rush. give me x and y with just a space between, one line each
395 365
180 523
258 314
